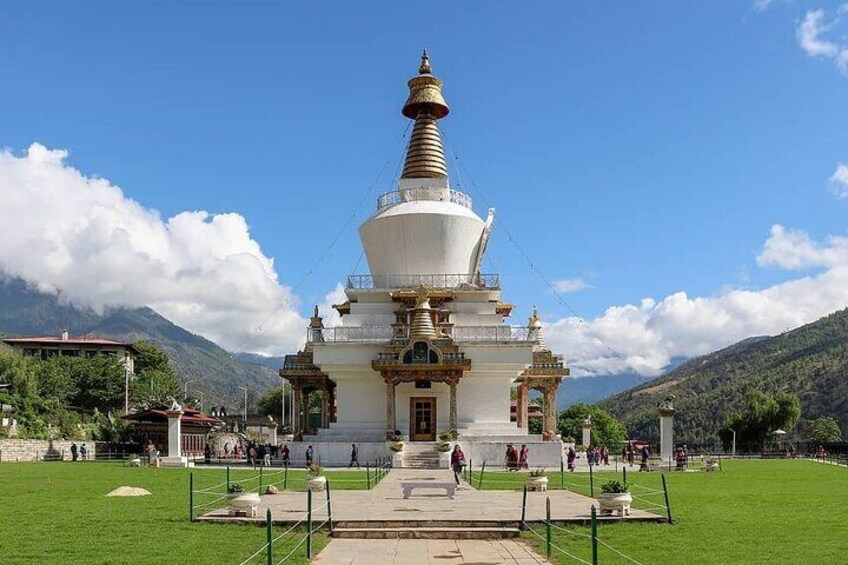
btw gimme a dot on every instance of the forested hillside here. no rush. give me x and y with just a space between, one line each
212 370
810 361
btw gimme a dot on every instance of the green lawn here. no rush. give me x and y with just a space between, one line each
58 513
751 512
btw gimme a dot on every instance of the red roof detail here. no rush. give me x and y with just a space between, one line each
53 340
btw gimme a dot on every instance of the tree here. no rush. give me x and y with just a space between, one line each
271 403
155 382
606 430
763 414
824 430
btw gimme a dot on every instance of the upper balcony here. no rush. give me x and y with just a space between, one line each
446 281
435 194
459 335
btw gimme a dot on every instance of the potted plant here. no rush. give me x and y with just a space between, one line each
615 497
315 480
443 446
242 502
396 447
537 480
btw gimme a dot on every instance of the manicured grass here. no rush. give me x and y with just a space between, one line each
58 513
751 512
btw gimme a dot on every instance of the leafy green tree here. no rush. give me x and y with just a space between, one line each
150 357
155 382
271 403
606 430
763 414
824 430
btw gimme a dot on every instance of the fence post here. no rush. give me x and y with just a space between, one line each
191 497
482 470
260 479
329 508
228 479
624 474
286 478
368 476
269 538
524 506
548 525
667 505
561 474
594 536
591 481
308 523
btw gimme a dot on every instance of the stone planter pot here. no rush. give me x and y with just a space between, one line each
243 503
710 465
316 483
537 484
397 460
610 502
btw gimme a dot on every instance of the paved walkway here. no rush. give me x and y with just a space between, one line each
420 551
385 503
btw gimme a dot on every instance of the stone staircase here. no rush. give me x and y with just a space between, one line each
426 529
420 455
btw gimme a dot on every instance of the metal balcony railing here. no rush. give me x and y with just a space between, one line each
398 281
423 193
384 334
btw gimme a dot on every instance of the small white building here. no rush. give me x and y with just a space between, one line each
423 346
64 345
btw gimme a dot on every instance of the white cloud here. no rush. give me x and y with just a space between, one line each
66 231
811 37
839 181
794 249
762 5
651 334
565 286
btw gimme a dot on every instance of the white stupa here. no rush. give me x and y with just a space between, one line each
423 347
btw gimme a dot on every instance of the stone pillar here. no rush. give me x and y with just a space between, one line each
666 433
272 433
390 407
175 457
332 394
325 408
453 415
295 415
587 432
550 413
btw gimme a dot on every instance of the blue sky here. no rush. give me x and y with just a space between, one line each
646 148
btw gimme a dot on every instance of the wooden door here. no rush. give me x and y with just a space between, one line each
422 418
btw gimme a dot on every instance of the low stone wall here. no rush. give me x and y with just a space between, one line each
337 454
541 453
20 450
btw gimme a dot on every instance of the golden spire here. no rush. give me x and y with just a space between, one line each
422 320
425 156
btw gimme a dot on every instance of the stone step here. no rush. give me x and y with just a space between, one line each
426 533
414 524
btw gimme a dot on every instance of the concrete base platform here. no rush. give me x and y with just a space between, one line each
384 507
426 552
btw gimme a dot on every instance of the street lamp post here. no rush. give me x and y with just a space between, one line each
200 406
185 389
244 420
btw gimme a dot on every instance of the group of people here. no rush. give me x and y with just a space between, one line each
516 459
80 452
597 455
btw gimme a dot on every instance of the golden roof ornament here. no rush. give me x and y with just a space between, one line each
422 296
425 156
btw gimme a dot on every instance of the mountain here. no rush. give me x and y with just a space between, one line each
211 369
589 390
265 360
810 361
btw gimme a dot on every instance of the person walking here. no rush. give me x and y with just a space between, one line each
84 452
571 458
285 455
523 457
646 454
74 454
309 454
267 457
457 462
354 456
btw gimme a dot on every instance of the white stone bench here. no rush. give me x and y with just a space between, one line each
408 486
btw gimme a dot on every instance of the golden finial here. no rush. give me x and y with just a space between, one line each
315 312
534 318
424 68
421 296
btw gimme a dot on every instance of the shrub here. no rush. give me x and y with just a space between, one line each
538 473
396 447
235 488
314 470
443 446
614 487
